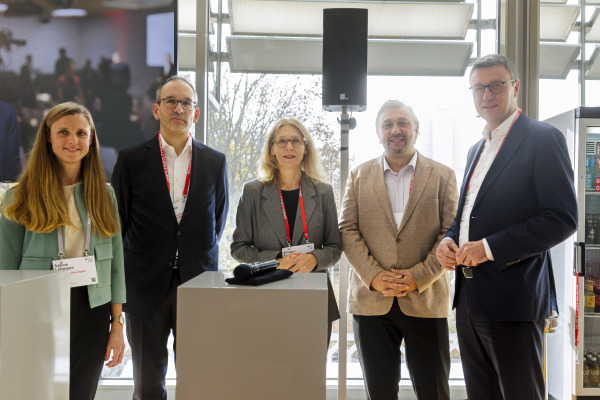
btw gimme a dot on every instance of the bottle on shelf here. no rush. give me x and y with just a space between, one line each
591 228
590 164
586 371
597 294
589 296
594 375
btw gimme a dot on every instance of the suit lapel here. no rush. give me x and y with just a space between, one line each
507 151
272 208
378 180
309 197
155 167
422 174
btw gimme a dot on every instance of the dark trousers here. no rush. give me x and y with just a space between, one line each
501 359
427 351
148 335
89 336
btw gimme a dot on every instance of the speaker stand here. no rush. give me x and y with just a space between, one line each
346 124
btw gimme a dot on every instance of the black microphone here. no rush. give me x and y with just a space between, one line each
243 272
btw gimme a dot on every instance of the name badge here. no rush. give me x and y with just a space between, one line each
178 207
301 248
82 270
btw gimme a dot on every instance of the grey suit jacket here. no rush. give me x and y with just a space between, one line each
372 242
260 229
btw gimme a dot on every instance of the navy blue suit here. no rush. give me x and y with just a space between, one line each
10 163
151 239
525 206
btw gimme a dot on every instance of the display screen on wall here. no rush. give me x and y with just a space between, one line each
111 60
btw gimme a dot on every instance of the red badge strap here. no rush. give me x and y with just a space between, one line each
509 128
412 179
164 161
577 309
285 217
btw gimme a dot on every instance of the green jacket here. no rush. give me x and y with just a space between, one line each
28 250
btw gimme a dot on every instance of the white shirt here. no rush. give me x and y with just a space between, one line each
177 166
398 186
493 142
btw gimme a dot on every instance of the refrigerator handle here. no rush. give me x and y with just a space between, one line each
579 264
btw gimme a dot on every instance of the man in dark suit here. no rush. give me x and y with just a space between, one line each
172 213
516 202
10 163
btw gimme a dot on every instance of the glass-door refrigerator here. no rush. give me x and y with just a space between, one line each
572 339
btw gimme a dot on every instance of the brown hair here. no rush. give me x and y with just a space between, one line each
39 202
491 60
311 163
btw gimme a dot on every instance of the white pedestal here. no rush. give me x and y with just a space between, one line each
252 343
34 335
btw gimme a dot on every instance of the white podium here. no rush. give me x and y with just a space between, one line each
252 343
34 335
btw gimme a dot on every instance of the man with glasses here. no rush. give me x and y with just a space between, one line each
396 210
172 194
516 202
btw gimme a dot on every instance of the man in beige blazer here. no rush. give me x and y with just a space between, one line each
396 210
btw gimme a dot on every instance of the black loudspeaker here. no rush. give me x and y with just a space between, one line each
345 59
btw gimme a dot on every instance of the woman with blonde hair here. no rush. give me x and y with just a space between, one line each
289 213
61 210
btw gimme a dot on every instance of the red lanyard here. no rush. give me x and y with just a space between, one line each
164 161
509 128
285 218
412 178
577 310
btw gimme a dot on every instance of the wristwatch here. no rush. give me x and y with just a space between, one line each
120 319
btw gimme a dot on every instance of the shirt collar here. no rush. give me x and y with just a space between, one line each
167 147
412 163
501 130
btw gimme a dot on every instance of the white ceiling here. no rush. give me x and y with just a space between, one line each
405 38
386 19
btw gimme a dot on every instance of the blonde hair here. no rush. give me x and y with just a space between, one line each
311 162
39 201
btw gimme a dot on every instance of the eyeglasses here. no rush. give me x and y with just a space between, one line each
494 87
296 142
187 105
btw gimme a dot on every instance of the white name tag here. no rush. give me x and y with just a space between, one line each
302 248
82 270
179 207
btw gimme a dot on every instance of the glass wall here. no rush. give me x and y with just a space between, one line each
250 102
569 62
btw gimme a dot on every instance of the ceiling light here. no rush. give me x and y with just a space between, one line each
68 13
3 7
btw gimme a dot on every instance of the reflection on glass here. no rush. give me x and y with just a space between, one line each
591 290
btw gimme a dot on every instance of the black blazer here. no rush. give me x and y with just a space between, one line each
151 235
525 206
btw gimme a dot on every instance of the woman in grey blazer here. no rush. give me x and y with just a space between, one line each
289 214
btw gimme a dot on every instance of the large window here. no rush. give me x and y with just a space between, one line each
253 93
569 56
